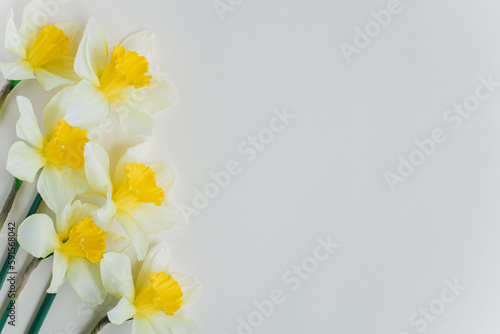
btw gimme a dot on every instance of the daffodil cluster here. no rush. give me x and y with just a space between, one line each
72 173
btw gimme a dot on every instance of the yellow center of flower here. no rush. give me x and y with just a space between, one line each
139 188
85 239
163 294
125 69
51 44
67 145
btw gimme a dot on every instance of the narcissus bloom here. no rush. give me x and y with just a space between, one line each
60 155
46 51
137 194
155 298
78 244
123 82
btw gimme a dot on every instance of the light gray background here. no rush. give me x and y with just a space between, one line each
324 174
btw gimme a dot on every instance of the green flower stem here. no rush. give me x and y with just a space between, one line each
14 83
10 200
11 254
101 324
42 312
6 89
13 298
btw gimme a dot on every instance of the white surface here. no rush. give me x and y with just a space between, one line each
324 174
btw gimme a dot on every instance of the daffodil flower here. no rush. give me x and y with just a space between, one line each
137 194
45 51
78 244
60 155
122 82
156 297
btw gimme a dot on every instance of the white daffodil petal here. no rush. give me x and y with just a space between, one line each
116 243
19 70
190 287
116 275
92 56
154 219
97 168
141 42
123 311
49 80
105 215
133 122
164 177
158 322
70 29
133 154
56 109
24 162
98 132
69 216
138 237
82 185
157 97
157 260
57 188
37 235
142 325
92 211
32 22
89 107
13 41
165 324
27 127
59 269
64 68
85 278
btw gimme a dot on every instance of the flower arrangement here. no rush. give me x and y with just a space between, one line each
72 175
